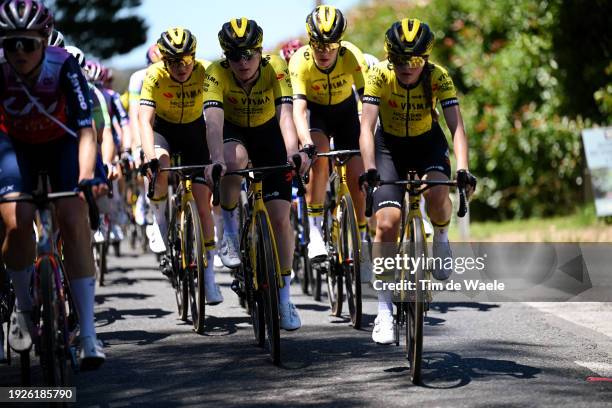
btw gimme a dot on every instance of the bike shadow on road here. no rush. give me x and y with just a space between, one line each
446 370
445 307
111 315
103 298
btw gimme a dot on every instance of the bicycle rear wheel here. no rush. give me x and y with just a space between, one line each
54 338
193 251
348 248
267 275
415 308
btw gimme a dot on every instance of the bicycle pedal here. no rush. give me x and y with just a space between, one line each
235 286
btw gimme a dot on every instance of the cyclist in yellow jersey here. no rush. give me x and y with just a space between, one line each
172 121
323 74
248 117
404 91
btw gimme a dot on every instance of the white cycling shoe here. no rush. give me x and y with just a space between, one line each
229 251
289 317
384 330
92 355
317 251
20 335
156 241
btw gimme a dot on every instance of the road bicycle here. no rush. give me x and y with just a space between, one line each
413 298
341 267
186 253
50 313
258 278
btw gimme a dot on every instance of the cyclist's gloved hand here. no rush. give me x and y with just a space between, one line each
467 180
95 185
370 178
150 168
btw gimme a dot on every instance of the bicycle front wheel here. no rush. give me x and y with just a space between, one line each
54 339
267 276
416 302
196 264
349 256
179 280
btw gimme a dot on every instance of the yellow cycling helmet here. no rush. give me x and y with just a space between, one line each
326 24
175 42
409 37
240 34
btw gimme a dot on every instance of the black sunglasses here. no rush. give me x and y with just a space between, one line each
246 55
24 44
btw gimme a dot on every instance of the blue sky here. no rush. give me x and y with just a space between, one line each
280 20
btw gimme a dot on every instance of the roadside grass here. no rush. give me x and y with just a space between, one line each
583 225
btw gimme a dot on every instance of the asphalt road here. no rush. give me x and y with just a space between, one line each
477 354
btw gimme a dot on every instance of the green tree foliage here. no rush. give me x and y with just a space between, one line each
101 27
531 75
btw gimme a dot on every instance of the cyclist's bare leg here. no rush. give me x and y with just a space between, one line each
437 199
387 230
18 248
279 214
78 261
236 157
354 169
202 196
319 173
161 184
439 209
315 197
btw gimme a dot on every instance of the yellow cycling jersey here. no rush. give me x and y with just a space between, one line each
333 85
248 109
397 102
173 101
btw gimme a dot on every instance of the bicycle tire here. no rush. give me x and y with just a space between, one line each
54 334
179 283
416 305
193 250
349 252
267 275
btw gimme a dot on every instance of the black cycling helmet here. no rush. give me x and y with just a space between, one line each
409 37
56 39
175 42
240 34
326 24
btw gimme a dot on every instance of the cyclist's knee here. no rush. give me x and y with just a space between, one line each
386 227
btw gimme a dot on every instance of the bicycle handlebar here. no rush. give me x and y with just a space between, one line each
425 184
41 200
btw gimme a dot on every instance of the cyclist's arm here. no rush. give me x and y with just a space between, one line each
369 115
123 120
284 114
133 107
300 118
214 133
146 114
79 114
88 148
454 120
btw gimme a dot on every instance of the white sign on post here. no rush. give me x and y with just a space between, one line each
598 150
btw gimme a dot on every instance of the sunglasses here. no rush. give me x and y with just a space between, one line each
324 47
411 62
246 55
23 44
185 60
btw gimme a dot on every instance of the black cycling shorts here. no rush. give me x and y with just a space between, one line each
396 155
185 139
266 147
340 121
